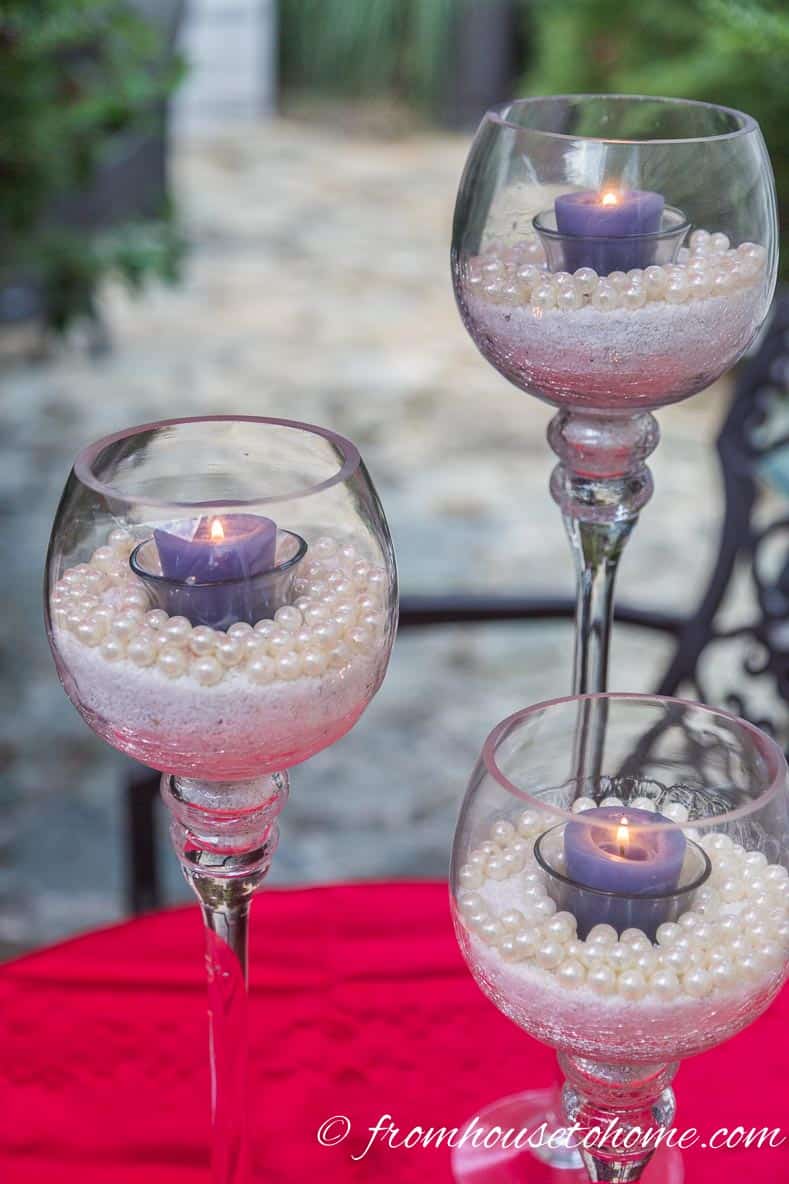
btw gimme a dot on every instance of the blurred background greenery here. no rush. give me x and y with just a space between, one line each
430 53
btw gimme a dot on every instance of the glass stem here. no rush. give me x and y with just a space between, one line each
620 1112
225 834
600 485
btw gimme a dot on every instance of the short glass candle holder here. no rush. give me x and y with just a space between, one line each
590 906
570 252
622 983
220 603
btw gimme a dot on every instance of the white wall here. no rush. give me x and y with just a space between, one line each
231 49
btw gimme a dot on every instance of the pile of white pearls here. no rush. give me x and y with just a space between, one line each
736 933
518 276
339 612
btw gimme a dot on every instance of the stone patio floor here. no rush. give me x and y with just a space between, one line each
318 288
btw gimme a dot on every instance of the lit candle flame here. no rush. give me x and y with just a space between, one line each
610 198
217 530
623 836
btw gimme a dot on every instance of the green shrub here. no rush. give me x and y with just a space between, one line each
75 75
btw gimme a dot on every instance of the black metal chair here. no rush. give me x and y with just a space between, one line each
746 444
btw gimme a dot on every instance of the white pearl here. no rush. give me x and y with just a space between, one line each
719 242
202 640
618 280
502 832
677 289
177 630
634 296
491 931
121 541
513 861
288 618
239 629
621 957
697 982
528 823
469 902
571 974
143 648
156 618
632 984
262 668
602 980
561 926
470 876
543 297
690 920
508 949
497 868
605 297
339 655
731 890
646 960
717 842
664 983
583 803
324 548
635 938
229 651
528 276
359 638
675 811
171 660
776 873
288 666
643 803
604 935
655 281
136 597
126 625
568 299
586 280
527 942
549 954
699 238
513 920
314 662
207 671
612 800
92 630
668 934
104 558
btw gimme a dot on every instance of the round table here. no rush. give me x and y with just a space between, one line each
361 1006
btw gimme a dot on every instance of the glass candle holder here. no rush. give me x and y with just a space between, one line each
221 603
585 971
568 253
644 910
270 654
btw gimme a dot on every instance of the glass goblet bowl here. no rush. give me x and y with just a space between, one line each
622 976
613 252
268 641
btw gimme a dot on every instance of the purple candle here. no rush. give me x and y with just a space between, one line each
211 567
622 856
607 217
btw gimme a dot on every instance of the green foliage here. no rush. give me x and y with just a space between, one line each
74 76
361 47
733 52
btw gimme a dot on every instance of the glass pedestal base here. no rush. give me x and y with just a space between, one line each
528 1111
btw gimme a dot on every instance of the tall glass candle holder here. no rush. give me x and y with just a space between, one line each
557 196
304 561
624 983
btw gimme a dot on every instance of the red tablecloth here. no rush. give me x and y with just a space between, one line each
361 1005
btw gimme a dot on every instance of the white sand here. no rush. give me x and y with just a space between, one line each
645 357
235 729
